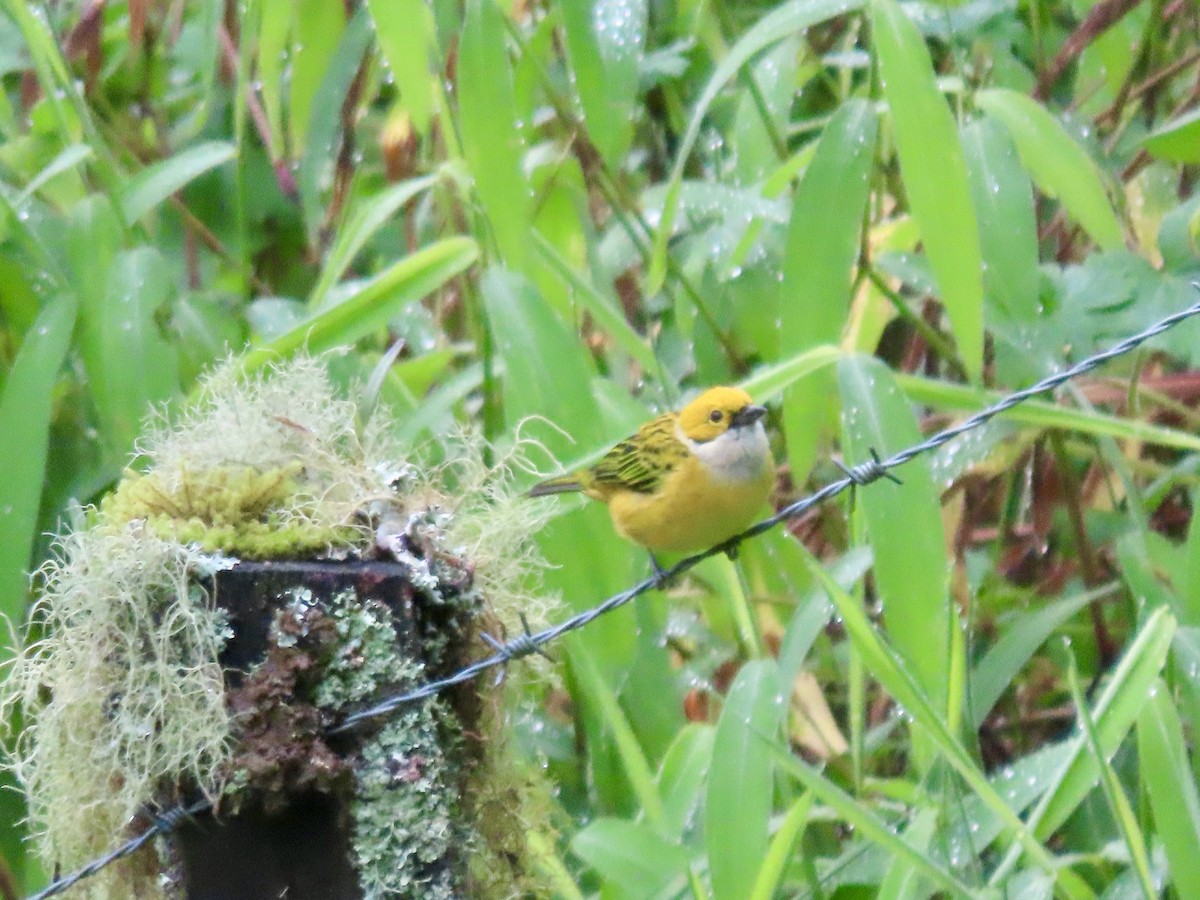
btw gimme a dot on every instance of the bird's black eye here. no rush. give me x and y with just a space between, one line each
716 415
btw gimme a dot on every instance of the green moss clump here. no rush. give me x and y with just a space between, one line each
236 510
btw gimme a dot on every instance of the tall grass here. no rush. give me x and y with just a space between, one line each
874 213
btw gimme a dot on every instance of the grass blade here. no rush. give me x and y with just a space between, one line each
407 38
156 183
1003 200
630 855
869 825
899 681
995 672
1114 713
780 850
1118 803
26 408
1044 414
369 308
822 246
935 174
1060 166
904 523
770 29
1171 785
491 137
738 805
363 223
605 40
594 690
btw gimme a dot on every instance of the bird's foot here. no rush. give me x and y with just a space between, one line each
662 579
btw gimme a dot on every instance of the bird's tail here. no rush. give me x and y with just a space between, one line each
563 484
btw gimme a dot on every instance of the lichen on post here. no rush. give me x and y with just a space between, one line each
272 564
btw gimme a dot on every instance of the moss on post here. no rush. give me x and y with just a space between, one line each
272 566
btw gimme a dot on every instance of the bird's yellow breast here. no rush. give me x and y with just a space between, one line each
692 510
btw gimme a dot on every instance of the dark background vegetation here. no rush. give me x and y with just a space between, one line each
875 214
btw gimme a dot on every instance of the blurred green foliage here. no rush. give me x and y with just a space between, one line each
874 213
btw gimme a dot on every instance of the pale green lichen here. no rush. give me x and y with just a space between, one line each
123 698
365 658
405 833
123 690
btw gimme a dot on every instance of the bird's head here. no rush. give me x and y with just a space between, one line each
716 411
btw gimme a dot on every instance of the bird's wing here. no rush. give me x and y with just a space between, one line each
641 461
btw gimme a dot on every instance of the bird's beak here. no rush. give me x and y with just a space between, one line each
747 415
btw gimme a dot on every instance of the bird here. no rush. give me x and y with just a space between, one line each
687 480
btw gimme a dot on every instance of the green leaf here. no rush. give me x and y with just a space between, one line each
366 219
605 40
274 26
595 691
769 381
553 382
407 39
904 880
26 408
994 673
904 523
491 137
1044 414
374 303
137 367
822 247
438 407
1177 140
129 364
68 159
156 183
869 825
935 174
682 775
770 29
1174 798
630 855
1057 163
319 27
1118 802
1003 198
899 680
738 806
780 852
1114 713
323 127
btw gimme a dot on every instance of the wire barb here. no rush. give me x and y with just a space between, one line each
523 644
533 642
864 473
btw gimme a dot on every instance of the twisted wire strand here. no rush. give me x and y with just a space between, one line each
165 822
528 643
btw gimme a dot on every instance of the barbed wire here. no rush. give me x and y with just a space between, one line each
528 642
163 823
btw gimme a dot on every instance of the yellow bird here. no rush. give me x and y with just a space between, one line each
686 481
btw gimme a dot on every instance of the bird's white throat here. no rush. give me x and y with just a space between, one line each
739 454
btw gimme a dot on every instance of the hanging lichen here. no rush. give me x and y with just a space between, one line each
123 698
